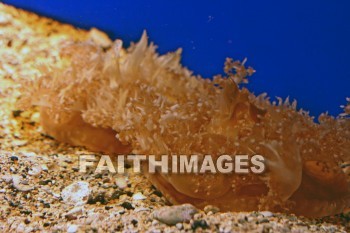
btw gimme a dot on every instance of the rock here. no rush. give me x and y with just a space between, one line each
179 226
138 196
76 193
98 197
7 178
121 183
155 222
17 184
199 224
266 214
35 117
18 143
44 167
35 171
72 228
171 215
210 208
15 113
14 158
140 209
28 154
73 213
127 205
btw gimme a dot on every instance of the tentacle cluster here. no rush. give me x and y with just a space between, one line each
153 105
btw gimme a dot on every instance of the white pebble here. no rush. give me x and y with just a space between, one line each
7 178
17 184
35 117
28 154
179 226
75 193
266 213
121 182
155 222
44 167
138 196
19 142
175 214
35 171
72 229
74 212
140 209
212 209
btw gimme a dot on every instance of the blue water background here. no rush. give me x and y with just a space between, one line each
299 48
